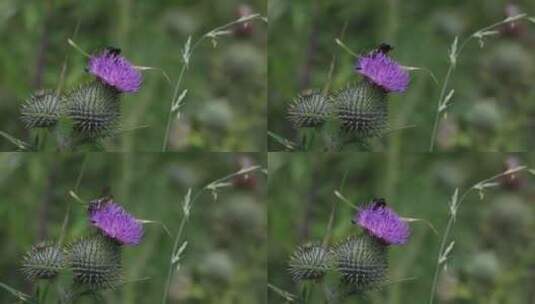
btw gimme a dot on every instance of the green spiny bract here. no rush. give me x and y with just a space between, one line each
95 262
309 262
362 110
94 109
362 262
43 261
308 111
41 110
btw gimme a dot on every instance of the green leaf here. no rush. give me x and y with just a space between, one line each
24 146
18 294
283 141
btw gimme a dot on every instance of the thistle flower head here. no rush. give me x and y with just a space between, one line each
43 261
114 222
362 110
95 262
308 111
94 109
309 262
362 262
384 72
115 71
41 110
383 223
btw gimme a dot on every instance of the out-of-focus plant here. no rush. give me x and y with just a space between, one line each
238 26
447 245
445 98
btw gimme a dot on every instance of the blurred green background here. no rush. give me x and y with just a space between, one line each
225 109
224 261
492 261
494 103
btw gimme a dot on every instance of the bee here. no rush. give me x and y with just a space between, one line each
99 203
41 245
113 51
378 203
384 48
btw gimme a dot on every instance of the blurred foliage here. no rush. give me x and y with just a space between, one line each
493 107
224 261
492 261
225 107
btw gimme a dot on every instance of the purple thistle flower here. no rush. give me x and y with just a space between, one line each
383 223
115 71
115 222
381 70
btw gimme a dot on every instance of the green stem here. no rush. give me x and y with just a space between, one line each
69 205
170 114
451 221
209 187
211 34
437 114
476 34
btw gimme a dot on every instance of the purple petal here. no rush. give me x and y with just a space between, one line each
383 71
115 71
116 223
383 223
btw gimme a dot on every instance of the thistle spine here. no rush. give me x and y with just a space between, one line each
43 261
95 109
307 111
362 110
41 110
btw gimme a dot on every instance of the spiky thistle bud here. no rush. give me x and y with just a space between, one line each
94 109
309 262
43 261
308 111
362 262
41 110
95 262
362 110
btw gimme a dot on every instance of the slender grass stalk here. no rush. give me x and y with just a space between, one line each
179 246
334 59
178 94
443 101
455 202
67 216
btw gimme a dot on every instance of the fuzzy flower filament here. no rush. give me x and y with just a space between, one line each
384 72
383 223
114 222
115 71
